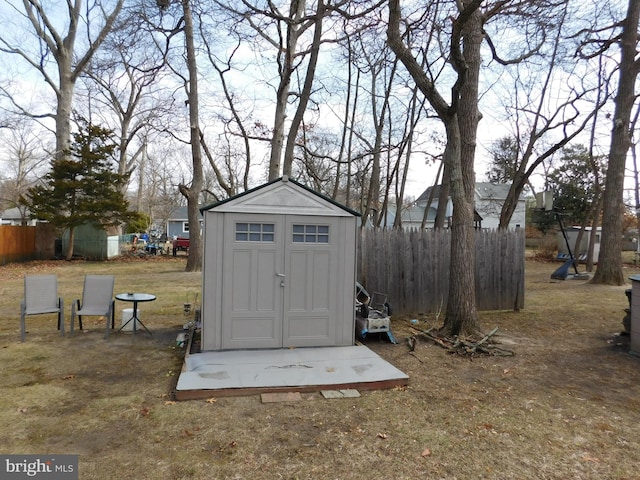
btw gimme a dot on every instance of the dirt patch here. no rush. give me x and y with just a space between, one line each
564 406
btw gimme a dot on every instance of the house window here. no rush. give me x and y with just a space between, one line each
185 226
310 233
255 232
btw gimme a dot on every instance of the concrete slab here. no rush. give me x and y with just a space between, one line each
246 372
345 393
350 393
331 394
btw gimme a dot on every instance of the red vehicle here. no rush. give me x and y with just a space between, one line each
180 244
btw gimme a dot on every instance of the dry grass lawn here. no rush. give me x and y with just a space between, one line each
566 406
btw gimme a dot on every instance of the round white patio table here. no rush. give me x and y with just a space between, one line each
135 298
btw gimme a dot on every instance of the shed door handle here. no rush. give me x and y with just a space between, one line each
280 275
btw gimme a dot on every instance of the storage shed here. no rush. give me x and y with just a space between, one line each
279 270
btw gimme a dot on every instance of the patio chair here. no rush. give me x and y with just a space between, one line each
41 296
97 300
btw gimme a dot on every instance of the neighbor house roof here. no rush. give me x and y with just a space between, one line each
483 191
180 214
12 214
495 191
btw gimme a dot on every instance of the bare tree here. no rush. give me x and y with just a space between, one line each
180 20
305 93
226 166
378 69
281 30
545 118
193 191
159 193
295 32
59 57
609 270
378 122
23 160
122 83
465 40
406 150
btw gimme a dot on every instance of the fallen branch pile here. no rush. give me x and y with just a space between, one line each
461 346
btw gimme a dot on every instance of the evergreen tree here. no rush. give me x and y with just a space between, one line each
83 186
573 184
504 160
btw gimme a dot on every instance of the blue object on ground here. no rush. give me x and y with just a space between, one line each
562 272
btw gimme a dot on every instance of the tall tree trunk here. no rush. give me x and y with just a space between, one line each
72 236
345 128
296 12
372 205
192 192
277 139
609 271
306 90
141 173
351 127
64 95
461 314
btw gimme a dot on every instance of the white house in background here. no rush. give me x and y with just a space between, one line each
489 198
13 216
488 201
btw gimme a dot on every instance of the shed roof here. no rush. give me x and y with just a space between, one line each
282 196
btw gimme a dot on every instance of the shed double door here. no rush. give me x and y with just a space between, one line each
278 281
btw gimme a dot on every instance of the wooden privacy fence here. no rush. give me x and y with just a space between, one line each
412 268
16 243
19 243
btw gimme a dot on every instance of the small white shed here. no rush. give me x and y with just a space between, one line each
279 270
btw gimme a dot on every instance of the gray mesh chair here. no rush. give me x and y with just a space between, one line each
41 296
97 300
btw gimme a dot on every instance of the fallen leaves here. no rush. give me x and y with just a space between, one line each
190 432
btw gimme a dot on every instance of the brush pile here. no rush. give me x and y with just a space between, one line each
460 346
